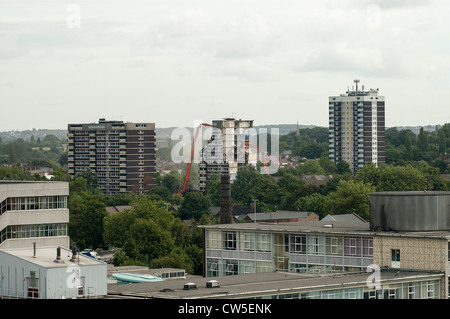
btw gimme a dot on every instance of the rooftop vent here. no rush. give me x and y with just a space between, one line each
212 284
190 286
58 256
74 254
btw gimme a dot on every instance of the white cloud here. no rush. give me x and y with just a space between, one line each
249 55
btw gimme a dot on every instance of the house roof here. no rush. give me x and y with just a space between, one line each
278 215
344 218
117 209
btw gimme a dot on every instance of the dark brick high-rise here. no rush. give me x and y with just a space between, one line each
121 155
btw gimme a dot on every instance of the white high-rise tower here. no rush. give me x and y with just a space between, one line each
357 127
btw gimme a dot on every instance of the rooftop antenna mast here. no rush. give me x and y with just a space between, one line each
356 83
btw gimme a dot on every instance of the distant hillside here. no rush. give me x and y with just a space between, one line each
166 132
26 135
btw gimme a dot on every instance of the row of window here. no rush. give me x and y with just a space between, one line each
33 203
231 267
412 290
32 231
294 243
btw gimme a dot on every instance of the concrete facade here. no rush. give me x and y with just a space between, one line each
33 212
322 248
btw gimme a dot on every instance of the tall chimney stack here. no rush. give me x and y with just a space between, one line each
225 215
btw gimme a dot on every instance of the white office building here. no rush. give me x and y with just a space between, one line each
50 273
33 212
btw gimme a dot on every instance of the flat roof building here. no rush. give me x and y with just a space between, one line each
284 285
50 273
323 247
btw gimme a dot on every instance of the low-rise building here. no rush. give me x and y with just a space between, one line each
35 261
50 273
330 247
283 285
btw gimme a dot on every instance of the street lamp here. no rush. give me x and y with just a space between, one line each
254 207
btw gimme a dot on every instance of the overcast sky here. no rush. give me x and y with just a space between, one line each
173 62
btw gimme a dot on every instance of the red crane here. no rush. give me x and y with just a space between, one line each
188 170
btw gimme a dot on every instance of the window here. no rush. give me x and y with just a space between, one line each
373 294
395 253
213 240
367 247
249 241
316 245
263 242
30 231
395 258
81 286
33 285
411 291
297 244
334 246
391 294
299 268
352 246
231 267
229 241
247 267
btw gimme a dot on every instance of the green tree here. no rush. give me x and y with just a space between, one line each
194 205
290 198
311 167
91 180
63 159
160 192
290 183
177 258
396 178
145 232
17 173
343 168
86 214
60 174
350 197
250 184
311 203
172 181
328 165
212 189
12 158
